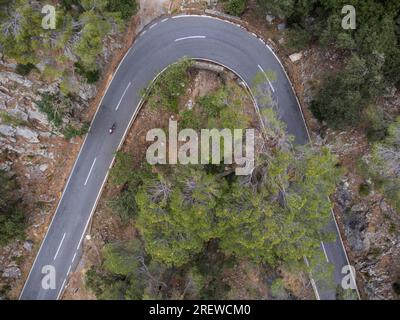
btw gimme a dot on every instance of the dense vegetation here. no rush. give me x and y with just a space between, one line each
235 7
373 50
12 220
190 215
384 169
74 47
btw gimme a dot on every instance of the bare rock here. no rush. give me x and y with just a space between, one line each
43 167
281 26
28 134
87 91
12 272
35 114
18 113
296 56
7 130
270 18
50 89
28 245
6 77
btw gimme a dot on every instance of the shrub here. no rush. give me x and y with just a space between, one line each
235 7
51 73
126 8
91 76
10 120
53 110
24 69
376 124
364 189
396 287
169 86
12 219
344 95
71 131
299 38
125 205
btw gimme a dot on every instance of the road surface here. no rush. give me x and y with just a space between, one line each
161 43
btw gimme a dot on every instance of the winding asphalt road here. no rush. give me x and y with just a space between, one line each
161 43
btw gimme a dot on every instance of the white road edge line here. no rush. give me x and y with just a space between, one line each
314 286
315 289
69 270
73 259
61 289
153 25
90 171
266 77
163 20
323 248
59 247
120 100
190 37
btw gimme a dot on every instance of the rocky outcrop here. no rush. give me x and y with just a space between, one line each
371 229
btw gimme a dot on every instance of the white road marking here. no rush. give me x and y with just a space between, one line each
266 77
163 20
69 270
120 100
315 289
180 16
90 171
73 259
153 25
61 289
59 247
323 248
190 37
312 281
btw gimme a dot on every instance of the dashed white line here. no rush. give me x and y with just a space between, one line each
90 171
190 37
59 247
120 100
163 20
323 248
266 77
153 25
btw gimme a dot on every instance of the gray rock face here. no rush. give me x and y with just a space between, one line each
28 134
7 130
50 89
281 26
12 272
87 92
6 77
43 167
295 56
18 113
28 245
270 18
35 114
4 98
